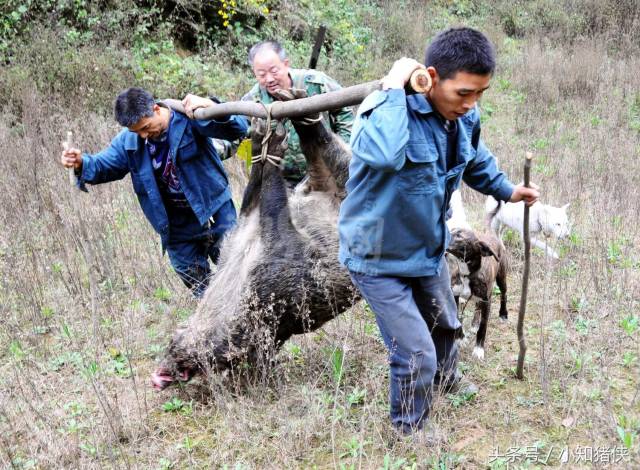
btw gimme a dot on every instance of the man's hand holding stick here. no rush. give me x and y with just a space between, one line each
71 158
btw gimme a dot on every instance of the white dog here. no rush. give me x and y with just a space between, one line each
458 217
543 219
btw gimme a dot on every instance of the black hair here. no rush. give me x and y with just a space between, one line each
269 45
461 50
132 105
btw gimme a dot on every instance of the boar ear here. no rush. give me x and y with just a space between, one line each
486 250
564 208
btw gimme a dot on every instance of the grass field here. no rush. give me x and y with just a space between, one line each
88 303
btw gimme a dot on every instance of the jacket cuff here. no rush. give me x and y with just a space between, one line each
80 181
505 191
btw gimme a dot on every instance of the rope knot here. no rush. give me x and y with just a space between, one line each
264 154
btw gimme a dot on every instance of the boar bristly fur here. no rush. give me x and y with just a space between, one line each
278 273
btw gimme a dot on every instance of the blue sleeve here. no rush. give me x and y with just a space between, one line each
111 164
381 130
232 128
482 173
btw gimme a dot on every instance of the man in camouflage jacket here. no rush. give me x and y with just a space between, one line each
271 67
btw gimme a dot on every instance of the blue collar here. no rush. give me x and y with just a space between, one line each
419 104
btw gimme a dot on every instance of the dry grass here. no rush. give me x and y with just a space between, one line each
88 303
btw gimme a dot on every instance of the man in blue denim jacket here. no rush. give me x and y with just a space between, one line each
176 173
409 154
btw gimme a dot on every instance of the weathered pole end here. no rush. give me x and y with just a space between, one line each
420 81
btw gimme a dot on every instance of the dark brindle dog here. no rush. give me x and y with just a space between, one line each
486 259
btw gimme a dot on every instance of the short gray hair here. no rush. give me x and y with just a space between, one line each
132 105
268 45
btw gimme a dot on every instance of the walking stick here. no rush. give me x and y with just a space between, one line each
68 144
525 274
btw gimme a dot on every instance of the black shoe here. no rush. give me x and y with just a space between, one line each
459 385
429 435
462 386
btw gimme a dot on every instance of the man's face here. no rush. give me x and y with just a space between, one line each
456 96
272 72
153 126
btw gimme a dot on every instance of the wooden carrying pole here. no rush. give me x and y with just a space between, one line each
420 83
525 274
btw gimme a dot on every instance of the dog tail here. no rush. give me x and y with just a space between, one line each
493 212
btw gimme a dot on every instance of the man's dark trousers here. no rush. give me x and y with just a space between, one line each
418 321
192 245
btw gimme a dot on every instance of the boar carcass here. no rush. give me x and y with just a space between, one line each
278 273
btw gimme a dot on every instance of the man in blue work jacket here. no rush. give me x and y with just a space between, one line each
176 173
409 154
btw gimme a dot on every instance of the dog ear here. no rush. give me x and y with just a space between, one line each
564 208
486 250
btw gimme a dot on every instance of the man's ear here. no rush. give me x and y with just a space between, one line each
486 250
286 62
156 108
433 73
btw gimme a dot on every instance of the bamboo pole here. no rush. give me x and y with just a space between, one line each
525 275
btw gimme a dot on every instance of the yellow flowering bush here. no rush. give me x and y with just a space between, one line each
240 10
